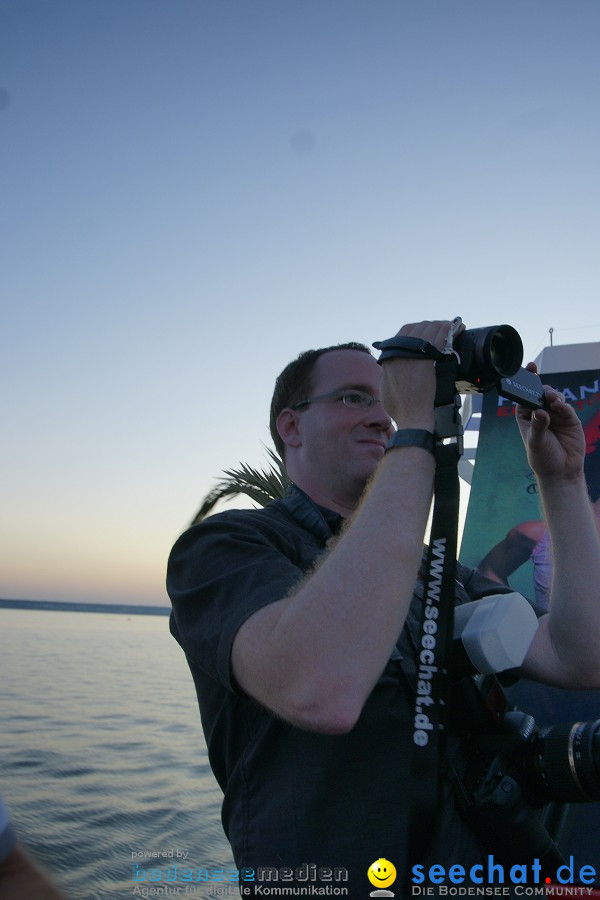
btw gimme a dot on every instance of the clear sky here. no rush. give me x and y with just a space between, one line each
193 191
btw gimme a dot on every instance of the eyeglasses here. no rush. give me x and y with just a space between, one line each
355 399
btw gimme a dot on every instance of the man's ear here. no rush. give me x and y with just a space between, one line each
288 426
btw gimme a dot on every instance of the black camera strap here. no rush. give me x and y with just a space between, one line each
437 622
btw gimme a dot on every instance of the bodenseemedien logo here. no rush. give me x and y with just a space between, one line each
182 879
381 874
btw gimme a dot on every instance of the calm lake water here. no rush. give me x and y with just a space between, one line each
103 763
102 757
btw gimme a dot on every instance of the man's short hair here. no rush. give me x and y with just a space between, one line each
295 384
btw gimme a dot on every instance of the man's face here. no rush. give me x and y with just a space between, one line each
341 446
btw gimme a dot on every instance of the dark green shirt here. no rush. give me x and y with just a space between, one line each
294 798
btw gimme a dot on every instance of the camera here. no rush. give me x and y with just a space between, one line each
491 357
515 772
554 764
487 358
515 768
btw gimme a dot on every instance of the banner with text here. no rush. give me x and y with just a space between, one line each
504 533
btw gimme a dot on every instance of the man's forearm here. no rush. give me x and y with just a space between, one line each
573 622
317 654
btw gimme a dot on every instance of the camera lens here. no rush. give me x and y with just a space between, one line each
505 350
486 356
564 762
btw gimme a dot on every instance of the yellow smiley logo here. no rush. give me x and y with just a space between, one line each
382 873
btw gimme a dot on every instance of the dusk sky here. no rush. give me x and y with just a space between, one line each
194 191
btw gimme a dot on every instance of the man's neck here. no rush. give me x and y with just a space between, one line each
321 497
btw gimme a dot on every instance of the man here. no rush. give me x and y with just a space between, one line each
297 620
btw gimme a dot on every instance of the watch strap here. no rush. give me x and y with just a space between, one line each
412 437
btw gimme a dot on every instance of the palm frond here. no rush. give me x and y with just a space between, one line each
261 485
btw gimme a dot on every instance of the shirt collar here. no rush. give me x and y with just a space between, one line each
323 523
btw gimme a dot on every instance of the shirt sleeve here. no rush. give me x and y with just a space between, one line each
478 585
220 572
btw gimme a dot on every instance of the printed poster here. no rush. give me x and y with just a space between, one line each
504 532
